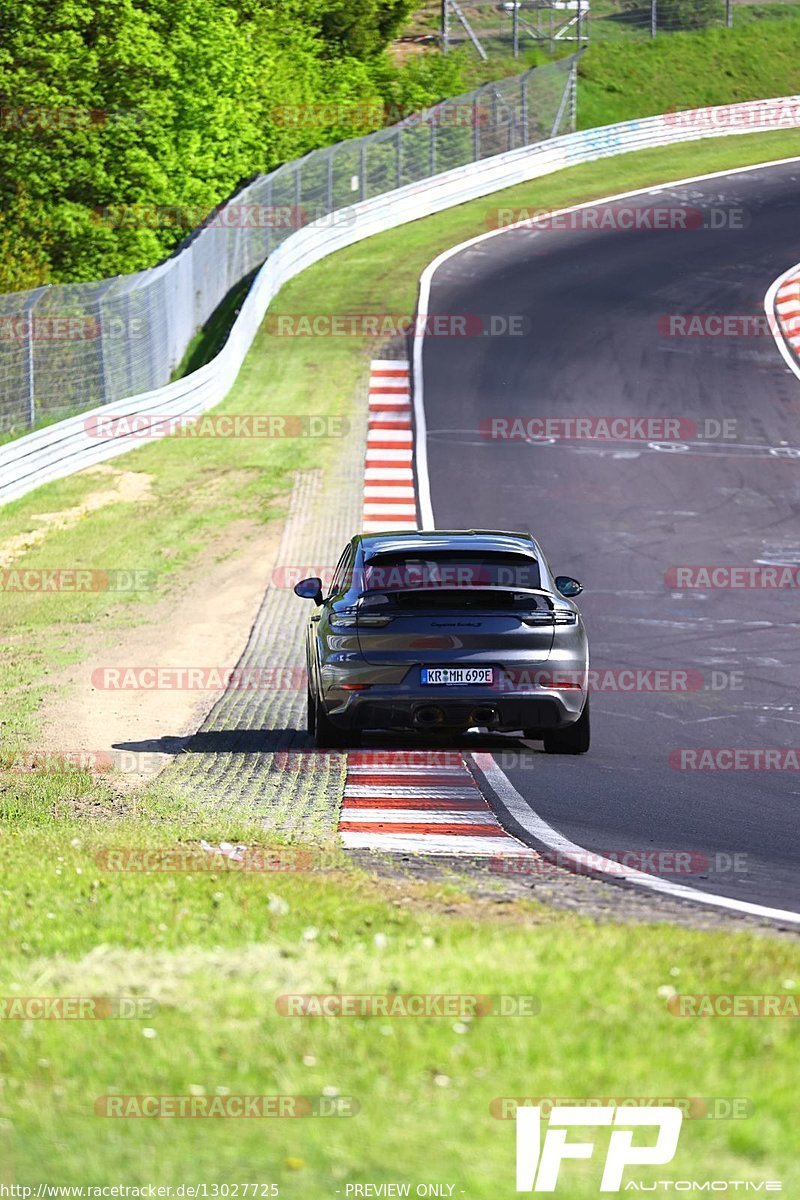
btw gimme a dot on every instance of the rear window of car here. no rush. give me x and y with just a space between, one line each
450 571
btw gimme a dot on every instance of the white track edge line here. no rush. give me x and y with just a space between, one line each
537 827
426 279
504 789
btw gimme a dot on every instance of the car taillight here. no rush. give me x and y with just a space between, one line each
364 621
559 617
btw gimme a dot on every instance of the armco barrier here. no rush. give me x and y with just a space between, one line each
69 347
64 448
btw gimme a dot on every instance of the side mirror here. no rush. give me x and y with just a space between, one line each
568 586
309 589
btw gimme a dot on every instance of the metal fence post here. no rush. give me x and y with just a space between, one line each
515 10
398 137
363 168
564 106
29 361
572 86
270 218
329 196
101 346
477 112
729 13
432 149
524 109
653 18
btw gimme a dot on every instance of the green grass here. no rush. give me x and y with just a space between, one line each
199 487
638 78
209 340
215 950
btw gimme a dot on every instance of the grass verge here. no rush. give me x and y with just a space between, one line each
198 487
215 949
620 80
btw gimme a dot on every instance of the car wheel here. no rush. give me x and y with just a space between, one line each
311 712
328 736
575 739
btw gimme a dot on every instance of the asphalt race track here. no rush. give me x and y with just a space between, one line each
619 515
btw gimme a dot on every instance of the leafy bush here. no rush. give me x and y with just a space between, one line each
123 122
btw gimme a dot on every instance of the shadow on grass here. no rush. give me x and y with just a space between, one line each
209 340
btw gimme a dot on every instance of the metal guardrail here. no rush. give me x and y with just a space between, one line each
69 347
69 446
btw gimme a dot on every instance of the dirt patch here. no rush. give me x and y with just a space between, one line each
129 486
204 622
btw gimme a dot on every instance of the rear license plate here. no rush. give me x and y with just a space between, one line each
453 676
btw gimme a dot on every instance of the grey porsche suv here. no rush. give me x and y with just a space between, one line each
444 631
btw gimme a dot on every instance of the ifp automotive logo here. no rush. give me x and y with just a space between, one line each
539 1162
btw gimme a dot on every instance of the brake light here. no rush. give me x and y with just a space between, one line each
340 621
561 616
364 621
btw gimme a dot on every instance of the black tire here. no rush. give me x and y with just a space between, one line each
328 736
575 739
311 712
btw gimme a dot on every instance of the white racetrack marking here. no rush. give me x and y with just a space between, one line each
507 795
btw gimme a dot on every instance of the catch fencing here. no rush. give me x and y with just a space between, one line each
501 27
68 348
69 446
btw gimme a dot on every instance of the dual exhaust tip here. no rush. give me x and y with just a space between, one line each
429 716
